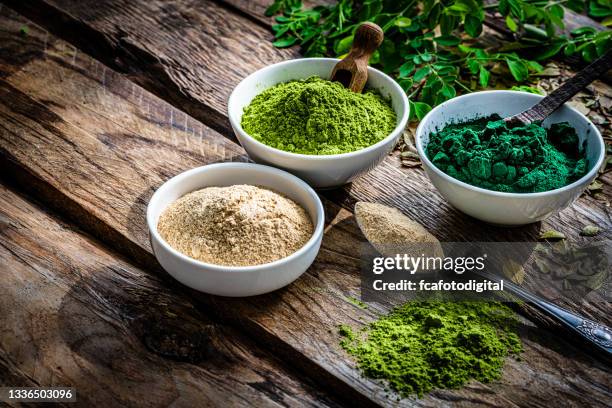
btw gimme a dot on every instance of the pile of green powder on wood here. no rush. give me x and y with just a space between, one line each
316 116
488 153
422 346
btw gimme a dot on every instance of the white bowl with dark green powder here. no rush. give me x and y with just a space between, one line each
288 115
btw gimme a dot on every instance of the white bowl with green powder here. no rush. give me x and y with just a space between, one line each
326 147
503 207
235 229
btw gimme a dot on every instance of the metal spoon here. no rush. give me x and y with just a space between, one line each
599 335
559 96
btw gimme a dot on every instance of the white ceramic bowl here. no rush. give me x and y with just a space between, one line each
227 280
319 171
497 207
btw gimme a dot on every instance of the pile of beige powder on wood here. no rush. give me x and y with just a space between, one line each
240 225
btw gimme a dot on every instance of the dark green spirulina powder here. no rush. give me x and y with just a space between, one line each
422 346
316 116
487 153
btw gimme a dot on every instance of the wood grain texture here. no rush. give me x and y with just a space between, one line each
241 52
85 139
75 314
140 39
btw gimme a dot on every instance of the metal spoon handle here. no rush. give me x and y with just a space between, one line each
596 333
571 87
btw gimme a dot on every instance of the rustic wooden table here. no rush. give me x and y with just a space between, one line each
100 103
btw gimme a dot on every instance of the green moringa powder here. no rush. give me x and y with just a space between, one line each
316 116
487 153
422 346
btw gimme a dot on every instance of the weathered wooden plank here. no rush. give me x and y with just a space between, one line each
101 153
75 314
162 31
224 46
65 119
256 9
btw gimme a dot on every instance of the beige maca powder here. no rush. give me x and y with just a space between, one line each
240 225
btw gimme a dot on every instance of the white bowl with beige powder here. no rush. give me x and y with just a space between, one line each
235 229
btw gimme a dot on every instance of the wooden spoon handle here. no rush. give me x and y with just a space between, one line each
352 71
555 99
367 39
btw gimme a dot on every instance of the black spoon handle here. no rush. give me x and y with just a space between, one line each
571 87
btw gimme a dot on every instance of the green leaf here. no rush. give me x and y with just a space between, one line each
511 24
433 18
406 84
403 22
599 11
589 53
504 7
421 74
484 77
556 15
534 66
284 42
448 91
389 58
557 11
465 49
590 231
447 40
528 89
569 49
582 31
518 69
473 66
551 235
448 23
419 110
548 52
473 26
459 7
406 69
344 45
426 57
274 8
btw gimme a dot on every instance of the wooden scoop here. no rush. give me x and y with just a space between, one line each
558 97
352 71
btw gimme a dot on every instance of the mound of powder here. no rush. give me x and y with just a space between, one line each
240 225
316 116
487 153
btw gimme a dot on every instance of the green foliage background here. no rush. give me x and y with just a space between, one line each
431 46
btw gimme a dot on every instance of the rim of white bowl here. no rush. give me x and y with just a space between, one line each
425 159
316 233
235 122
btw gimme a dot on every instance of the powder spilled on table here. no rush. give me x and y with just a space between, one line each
240 225
422 346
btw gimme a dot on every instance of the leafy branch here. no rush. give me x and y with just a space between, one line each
431 46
